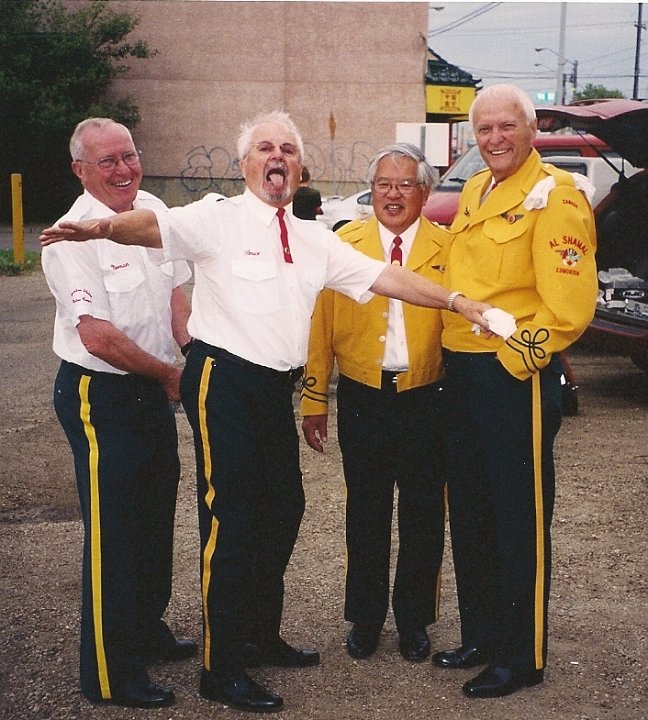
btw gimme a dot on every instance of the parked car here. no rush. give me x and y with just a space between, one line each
621 320
441 205
339 211
601 172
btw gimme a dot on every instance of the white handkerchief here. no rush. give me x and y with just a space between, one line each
539 195
585 186
500 322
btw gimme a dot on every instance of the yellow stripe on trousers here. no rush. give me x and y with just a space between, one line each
539 512
210 547
95 537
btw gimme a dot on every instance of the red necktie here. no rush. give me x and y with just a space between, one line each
283 231
397 253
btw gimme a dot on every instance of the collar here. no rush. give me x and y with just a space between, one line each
407 236
266 213
88 203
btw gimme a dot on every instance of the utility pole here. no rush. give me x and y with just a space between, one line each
560 83
573 79
640 27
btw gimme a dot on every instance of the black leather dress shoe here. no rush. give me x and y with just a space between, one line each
414 645
496 681
239 692
460 658
147 696
177 649
279 654
362 641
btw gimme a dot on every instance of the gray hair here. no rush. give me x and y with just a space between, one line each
77 148
504 93
244 141
426 174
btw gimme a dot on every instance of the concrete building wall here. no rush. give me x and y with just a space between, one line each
219 63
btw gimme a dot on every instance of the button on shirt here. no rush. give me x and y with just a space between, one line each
246 299
396 356
125 285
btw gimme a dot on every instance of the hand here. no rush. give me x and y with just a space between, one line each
472 310
77 231
171 383
315 431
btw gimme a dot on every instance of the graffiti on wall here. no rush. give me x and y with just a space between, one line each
205 169
342 165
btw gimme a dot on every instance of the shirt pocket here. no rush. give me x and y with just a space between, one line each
255 286
123 280
511 236
127 295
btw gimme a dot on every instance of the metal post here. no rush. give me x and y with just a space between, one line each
640 27
560 85
17 215
574 79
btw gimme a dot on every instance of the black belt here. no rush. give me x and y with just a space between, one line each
119 378
293 374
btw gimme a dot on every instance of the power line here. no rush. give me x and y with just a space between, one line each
462 20
526 30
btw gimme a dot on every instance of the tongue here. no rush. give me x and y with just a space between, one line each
277 179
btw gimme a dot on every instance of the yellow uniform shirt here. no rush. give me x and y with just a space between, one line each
536 264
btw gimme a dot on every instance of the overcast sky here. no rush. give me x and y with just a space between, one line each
498 43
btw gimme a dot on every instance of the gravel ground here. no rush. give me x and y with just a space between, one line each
598 632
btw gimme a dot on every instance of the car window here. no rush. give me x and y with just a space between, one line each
570 166
468 164
471 162
364 199
572 152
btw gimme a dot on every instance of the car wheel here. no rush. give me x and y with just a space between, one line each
339 224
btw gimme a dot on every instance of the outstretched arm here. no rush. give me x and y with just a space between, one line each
401 283
135 227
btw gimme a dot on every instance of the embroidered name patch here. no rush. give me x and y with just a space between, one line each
81 295
570 250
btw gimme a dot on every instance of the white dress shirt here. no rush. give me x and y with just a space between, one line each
246 298
396 355
122 284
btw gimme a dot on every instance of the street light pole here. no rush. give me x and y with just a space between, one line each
560 70
561 76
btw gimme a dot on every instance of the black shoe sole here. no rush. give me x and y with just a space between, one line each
214 697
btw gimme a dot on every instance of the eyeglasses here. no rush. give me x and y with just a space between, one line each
405 187
266 148
129 158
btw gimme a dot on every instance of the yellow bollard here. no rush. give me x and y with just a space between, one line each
17 214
